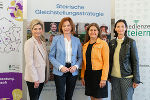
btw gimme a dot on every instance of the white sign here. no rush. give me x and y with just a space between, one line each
136 13
81 12
11 34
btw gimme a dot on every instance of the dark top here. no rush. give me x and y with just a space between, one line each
88 57
128 58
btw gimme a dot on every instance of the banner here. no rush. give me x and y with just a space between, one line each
137 15
83 13
11 36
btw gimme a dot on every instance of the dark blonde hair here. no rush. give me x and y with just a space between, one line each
87 37
71 23
37 22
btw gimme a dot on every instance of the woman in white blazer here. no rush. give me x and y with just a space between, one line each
36 60
66 57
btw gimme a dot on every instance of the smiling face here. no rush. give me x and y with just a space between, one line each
53 28
66 27
37 31
93 32
120 29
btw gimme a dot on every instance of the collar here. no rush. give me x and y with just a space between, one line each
122 38
97 41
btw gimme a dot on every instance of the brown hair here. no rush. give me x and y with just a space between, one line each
87 37
53 23
71 23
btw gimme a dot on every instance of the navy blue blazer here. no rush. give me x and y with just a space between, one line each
57 55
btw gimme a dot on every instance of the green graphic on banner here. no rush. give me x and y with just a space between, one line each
138 29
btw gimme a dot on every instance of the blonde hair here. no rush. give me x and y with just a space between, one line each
37 22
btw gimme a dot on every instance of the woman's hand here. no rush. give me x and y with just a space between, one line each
46 81
135 85
72 69
102 83
83 82
36 84
64 69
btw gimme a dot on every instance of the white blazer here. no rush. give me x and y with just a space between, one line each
36 61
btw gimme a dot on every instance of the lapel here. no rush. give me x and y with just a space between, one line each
73 43
85 46
38 47
62 41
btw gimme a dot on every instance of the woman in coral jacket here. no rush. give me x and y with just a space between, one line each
95 64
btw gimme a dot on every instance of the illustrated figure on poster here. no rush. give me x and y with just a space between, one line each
82 35
16 10
53 28
50 35
17 94
95 65
106 36
85 28
66 58
124 63
36 58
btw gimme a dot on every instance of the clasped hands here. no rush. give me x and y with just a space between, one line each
70 69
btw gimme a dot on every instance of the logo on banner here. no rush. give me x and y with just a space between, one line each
16 10
15 68
138 29
16 93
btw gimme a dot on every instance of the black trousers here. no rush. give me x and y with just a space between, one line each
34 93
65 85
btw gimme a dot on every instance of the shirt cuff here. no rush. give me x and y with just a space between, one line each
60 67
77 66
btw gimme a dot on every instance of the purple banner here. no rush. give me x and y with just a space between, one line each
11 86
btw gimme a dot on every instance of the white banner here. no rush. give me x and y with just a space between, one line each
11 34
11 44
81 12
137 15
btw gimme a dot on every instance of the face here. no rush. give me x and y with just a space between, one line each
53 28
120 28
37 31
66 27
86 27
103 29
93 32
51 38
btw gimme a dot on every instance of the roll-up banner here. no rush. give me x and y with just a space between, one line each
137 15
11 39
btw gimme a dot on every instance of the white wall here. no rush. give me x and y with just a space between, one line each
112 9
24 9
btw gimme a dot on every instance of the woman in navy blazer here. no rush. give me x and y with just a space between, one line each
66 57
